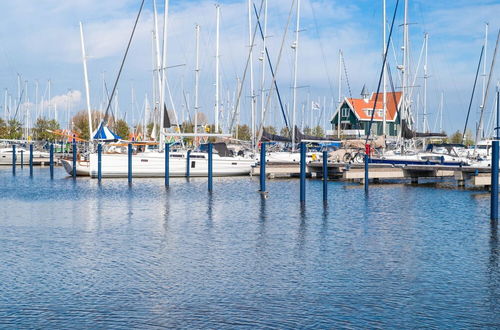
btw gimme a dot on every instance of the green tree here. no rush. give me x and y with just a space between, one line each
244 133
308 131
122 129
3 129
456 137
271 129
14 130
42 128
285 132
81 123
318 131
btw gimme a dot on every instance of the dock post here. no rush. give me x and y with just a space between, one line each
262 173
188 163
325 176
210 167
130 163
494 181
367 158
51 160
31 159
74 159
167 164
99 162
302 172
14 159
22 159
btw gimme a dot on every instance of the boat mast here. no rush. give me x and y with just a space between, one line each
196 79
5 106
481 107
158 67
217 16
425 123
404 71
295 47
340 91
86 77
263 69
384 50
441 114
252 93
163 69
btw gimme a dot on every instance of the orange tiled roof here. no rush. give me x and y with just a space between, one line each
363 108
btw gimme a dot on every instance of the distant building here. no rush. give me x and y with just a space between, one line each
355 115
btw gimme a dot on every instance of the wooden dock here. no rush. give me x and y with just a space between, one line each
475 176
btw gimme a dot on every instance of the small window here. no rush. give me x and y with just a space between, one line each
193 164
345 112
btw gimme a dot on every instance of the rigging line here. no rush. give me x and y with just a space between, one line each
261 130
271 68
492 68
19 103
322 49
105 119
473 90
381 74
240 89
345 72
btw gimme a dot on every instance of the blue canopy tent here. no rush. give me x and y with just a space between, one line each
103 133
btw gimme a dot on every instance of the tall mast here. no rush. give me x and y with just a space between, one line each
5 105
252 94
340 91
26 102
216 121
86 77
404 69
480 127
441 114
263 66
158 68
384 50
196 79
296 59
163 69
425 124
37 109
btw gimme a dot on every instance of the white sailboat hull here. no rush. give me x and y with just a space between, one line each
153 165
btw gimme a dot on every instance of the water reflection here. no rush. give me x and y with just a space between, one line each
493 268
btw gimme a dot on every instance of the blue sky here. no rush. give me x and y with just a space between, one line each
40 40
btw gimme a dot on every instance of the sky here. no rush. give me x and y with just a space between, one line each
40 41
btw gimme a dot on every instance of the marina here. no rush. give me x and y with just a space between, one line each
249 164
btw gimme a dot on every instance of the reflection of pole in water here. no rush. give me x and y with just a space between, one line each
493 269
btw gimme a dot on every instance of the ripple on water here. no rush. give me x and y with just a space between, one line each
79 254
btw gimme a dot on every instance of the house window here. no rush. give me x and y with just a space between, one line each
345 112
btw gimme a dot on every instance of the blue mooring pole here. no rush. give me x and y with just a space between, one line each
167 164
99 162
14 159
31 160
51 161
210 168
302 172
494 181
74 159
367 158
130 163
188 163
263 167
325 176
22 159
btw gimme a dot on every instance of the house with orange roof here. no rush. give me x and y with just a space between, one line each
355 115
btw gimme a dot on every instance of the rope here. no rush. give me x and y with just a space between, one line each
123 62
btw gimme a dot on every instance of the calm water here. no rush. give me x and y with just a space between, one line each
83 255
